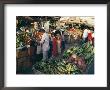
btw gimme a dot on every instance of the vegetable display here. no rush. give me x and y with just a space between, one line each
56 67
75 61
85 50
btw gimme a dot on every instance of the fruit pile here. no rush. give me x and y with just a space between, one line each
76 33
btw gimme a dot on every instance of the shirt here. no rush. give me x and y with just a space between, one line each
45 42
85 34
90 36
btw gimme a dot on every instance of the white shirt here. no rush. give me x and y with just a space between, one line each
45 42
85 34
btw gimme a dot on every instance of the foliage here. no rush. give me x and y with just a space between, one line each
64 66
59 66
19 40
86 50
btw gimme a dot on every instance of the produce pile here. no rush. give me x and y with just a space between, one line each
84 51
74 61
59 66
74 34
82 56
78 33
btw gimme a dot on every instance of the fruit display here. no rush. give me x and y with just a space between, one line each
75 33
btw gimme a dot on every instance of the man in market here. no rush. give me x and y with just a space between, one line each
90 36
45 44
85 35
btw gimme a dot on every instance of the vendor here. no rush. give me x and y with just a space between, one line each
54 45
59 43
90 36
45 44
85 35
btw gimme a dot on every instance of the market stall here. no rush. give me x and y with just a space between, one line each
75 58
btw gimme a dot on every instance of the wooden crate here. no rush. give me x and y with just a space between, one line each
22 63
19 63
20 53
17 53
27 63
31 51
25 53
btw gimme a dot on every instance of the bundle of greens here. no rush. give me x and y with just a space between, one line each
59 66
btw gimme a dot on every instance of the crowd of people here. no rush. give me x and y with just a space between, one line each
52 43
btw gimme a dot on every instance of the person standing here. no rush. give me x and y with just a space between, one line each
59 40
54 46
90 36
85 35
45 44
